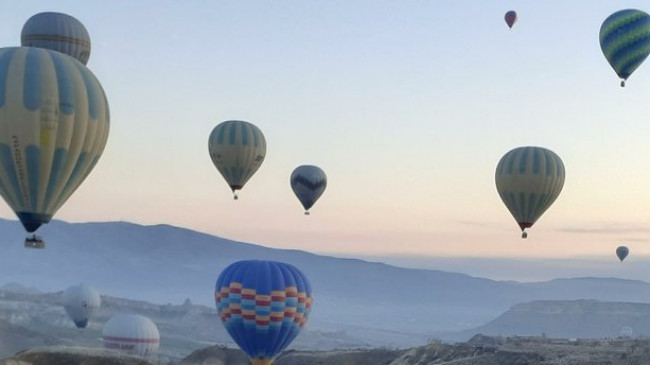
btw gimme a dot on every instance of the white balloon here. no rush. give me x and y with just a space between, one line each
131 333
80 301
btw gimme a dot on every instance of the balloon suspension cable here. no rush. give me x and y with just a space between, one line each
524 234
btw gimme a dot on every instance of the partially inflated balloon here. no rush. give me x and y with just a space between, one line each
237 149
263 305
80 301
131 333
511 18
308 183
625 41
528 180
622 252
54 123
57 32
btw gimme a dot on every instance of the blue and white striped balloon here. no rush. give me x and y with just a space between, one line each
58 32
308 183
529 180
54 123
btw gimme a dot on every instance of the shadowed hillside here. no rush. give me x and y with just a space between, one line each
569 319
482 350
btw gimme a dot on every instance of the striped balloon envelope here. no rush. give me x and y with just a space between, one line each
308 183
529 180
132 334
54 120
237 149
58 32
625 41
263 305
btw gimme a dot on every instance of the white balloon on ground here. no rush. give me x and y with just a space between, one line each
132 334
80 302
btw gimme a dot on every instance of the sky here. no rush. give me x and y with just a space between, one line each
406 105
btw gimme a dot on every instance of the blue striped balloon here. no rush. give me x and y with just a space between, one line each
57 32
308 183
529 180
263 305
625 41
54 120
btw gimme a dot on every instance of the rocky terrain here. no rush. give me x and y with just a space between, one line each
480 350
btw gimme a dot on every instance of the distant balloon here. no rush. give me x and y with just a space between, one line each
308 183
625 41
528 180
263 305
80 301
237 149
622 252
54 120
131 333
57 32
511 18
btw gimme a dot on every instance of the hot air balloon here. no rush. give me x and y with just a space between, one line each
625 41
263 305
237 149
511 18
529 179
308 183
57 32
131 333
54 120
622 252
80 301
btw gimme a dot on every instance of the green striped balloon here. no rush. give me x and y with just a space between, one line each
625 41
529 180
237 149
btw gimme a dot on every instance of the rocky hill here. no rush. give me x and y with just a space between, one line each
569 319
481 350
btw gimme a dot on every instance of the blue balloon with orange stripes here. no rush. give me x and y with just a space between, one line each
263 305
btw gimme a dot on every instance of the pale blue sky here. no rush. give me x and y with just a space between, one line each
406 105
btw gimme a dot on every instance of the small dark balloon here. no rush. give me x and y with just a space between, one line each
622 252
511 18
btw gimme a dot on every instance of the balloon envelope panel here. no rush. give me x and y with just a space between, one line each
308 183
131 333
529 180
58 32
625 40
80 301
237 149
263 305
54 120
